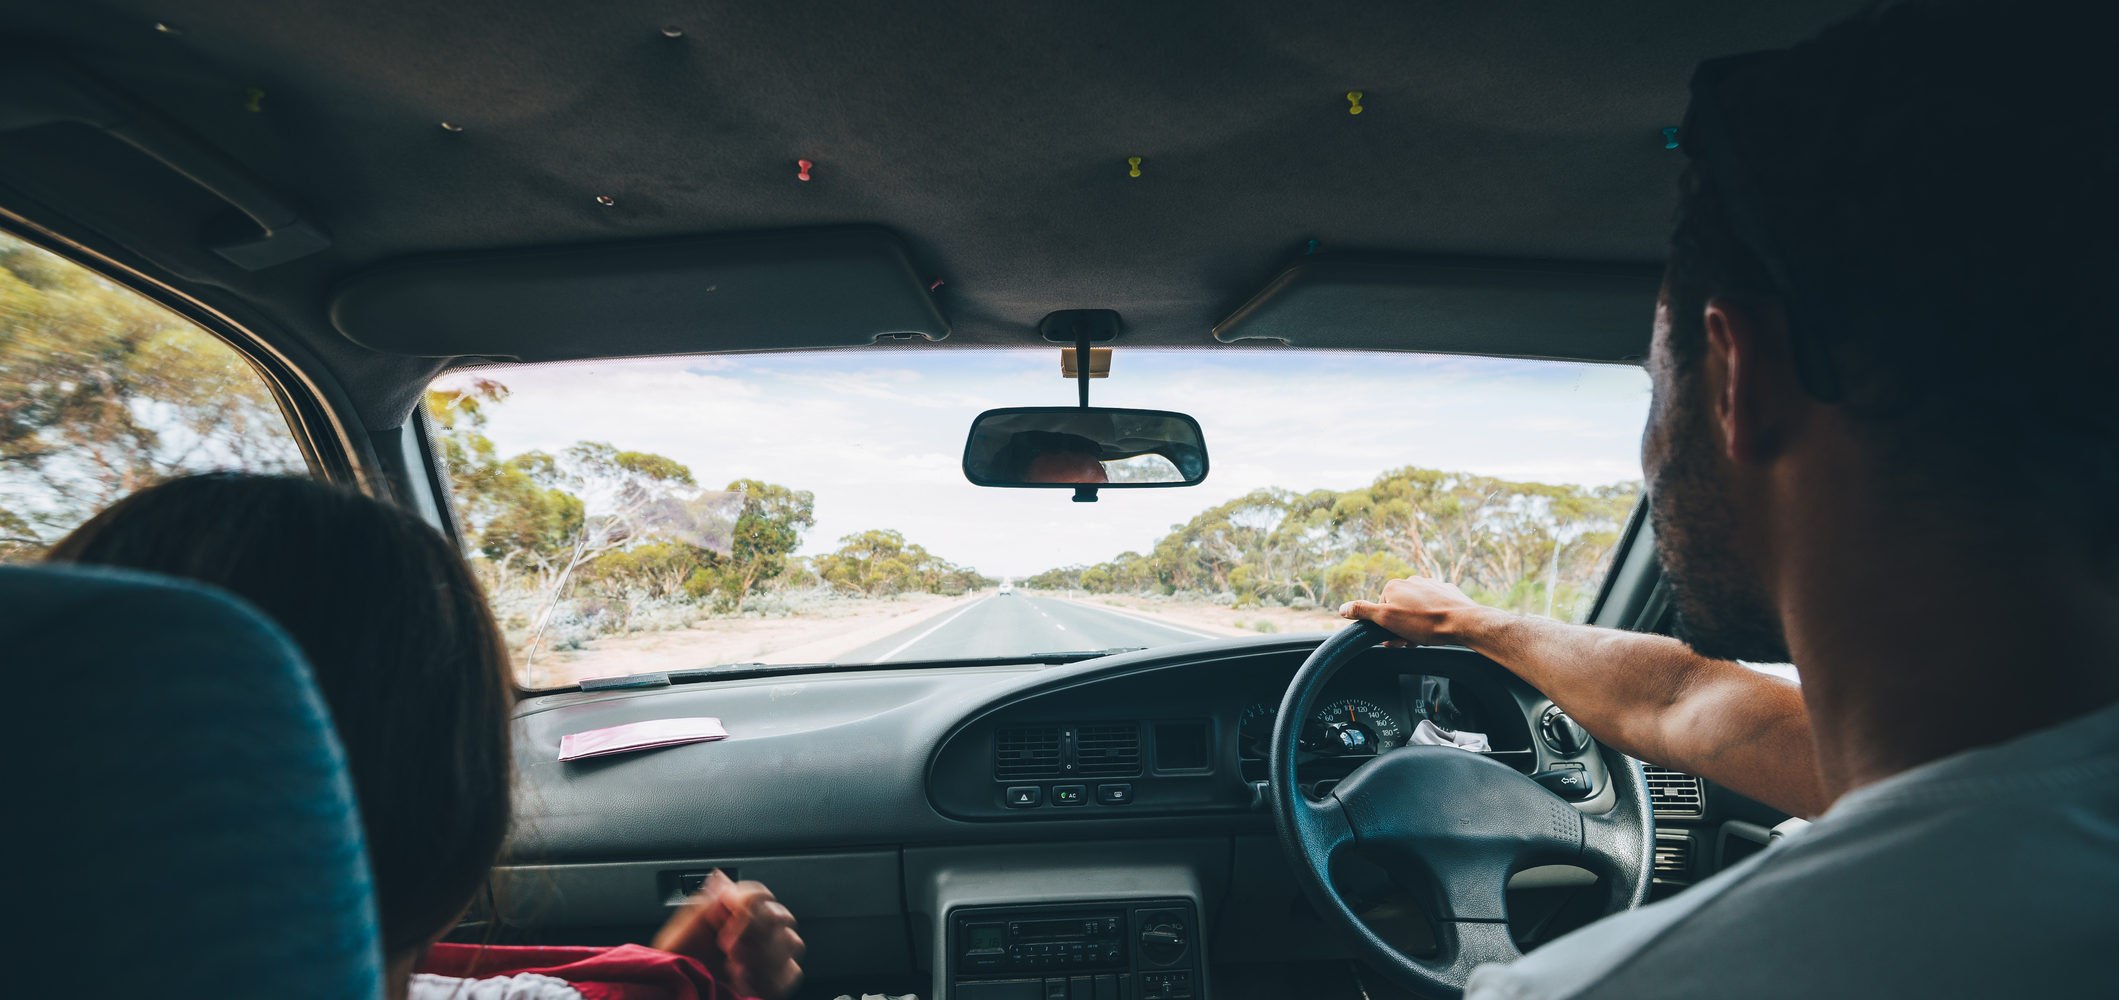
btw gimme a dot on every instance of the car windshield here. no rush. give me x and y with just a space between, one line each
665 514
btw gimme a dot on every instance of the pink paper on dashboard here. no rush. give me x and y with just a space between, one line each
640 736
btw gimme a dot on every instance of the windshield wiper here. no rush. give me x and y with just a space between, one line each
733 671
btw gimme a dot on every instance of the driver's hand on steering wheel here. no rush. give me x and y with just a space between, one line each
1419 610
739 930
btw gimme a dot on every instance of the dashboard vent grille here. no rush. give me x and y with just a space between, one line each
1108 750
1673 859
1025 753
1674 794
1039 753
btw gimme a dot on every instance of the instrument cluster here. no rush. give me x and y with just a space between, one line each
1359 723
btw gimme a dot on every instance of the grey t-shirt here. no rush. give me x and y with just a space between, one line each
1989 873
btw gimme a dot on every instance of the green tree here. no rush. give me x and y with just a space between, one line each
1527 546
655 569
103 393
515 510
880 563
769 525
628 498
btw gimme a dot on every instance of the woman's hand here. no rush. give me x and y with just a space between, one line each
740 931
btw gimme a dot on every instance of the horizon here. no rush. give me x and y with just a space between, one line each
887 429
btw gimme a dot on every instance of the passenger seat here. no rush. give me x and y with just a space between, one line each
180 821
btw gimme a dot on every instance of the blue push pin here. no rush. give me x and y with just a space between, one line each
1312 248
1670 137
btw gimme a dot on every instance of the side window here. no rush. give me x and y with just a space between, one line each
104 392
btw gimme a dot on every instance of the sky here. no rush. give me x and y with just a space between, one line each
878 435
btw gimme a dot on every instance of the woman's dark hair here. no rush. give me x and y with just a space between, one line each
402 645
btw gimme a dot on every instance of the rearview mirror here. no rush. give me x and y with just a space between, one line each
1057 447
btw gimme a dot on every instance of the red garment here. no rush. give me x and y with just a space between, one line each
627 972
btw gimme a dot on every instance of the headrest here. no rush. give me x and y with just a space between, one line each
182 820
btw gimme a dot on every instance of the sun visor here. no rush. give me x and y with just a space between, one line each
776 291
1570 312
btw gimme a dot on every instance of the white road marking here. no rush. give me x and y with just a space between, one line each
944 623
1145 621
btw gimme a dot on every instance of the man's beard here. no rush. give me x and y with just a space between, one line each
1720 610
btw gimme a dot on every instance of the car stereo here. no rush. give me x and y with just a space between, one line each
1122 950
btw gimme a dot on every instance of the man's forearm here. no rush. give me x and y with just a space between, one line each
1653 698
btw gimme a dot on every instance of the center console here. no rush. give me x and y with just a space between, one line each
1144 949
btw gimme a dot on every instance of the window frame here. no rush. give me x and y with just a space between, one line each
324 433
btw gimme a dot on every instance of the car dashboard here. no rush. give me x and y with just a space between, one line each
911 815
1193 740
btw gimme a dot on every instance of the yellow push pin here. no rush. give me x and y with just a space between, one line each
253 99
1133 166
1353 100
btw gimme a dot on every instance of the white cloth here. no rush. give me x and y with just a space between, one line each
1990 873
1426 733
522 986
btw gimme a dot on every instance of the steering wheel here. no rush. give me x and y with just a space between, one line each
1464 819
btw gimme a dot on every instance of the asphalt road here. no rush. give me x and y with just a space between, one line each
1015 624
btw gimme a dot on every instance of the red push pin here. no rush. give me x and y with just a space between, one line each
803 173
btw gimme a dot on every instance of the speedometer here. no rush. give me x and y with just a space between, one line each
1254 730
1358 726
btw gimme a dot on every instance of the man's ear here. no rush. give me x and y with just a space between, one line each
1750 372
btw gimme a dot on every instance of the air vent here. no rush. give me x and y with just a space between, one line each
1108 750
1099 750
1026 753
1673 859
1674 794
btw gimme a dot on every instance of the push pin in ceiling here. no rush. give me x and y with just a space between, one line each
1670 137
166 28
802 170
1133 166
1353 102
253 99
451 127
672 31
606 200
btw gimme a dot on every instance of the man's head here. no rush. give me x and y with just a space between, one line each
1884 294
1048 457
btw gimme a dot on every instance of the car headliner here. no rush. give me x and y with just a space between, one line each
992 137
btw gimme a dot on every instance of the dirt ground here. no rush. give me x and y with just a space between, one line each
812 637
